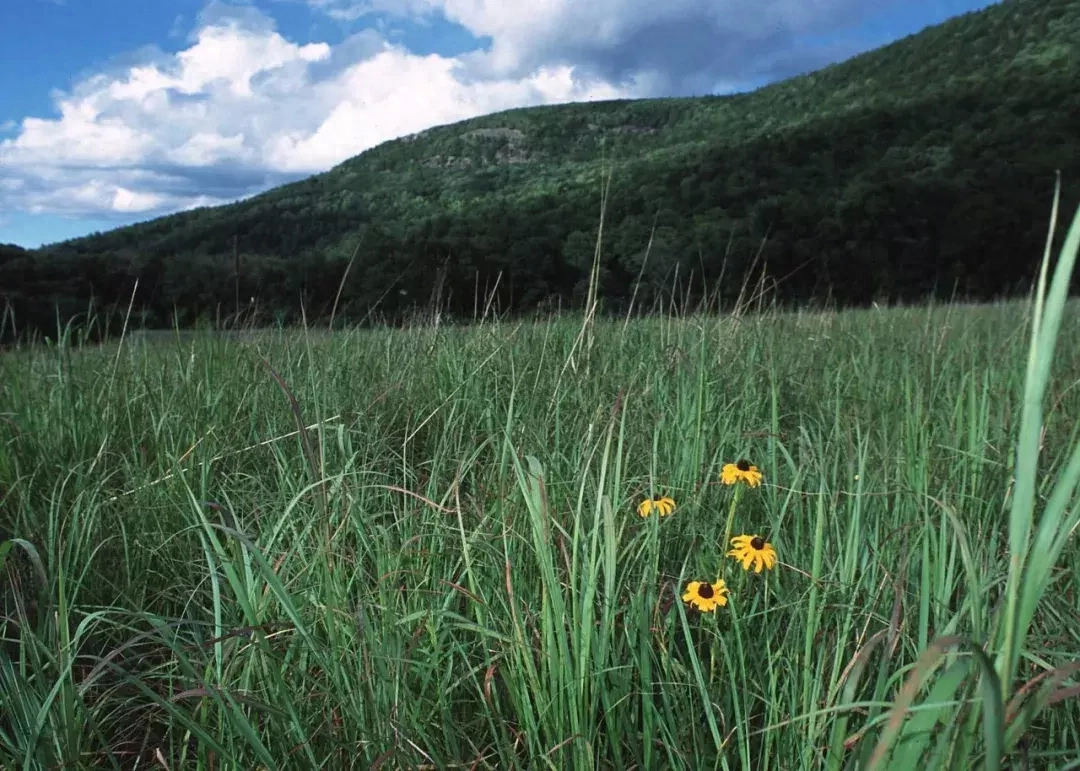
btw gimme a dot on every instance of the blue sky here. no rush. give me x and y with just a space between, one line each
115 111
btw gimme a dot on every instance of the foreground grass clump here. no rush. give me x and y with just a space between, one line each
391 549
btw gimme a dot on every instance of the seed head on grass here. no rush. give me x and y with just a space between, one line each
753 550
741 470
706 597
661 504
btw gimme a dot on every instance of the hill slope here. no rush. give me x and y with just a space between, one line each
919 167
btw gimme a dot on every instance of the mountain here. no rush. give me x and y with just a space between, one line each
923 167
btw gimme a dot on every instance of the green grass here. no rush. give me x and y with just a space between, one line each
419 548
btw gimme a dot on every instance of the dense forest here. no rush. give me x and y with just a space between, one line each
922 168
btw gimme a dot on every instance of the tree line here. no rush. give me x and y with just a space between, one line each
924 169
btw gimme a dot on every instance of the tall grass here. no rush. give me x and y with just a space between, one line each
419 549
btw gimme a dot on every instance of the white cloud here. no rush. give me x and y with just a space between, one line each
681 45
243 108
206 149
89 192
233 56
82 136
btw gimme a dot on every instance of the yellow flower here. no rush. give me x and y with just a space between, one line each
753 550
661 504
742 470
706 597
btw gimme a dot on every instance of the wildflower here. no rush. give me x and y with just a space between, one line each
661 504
706 597
741 470
753 550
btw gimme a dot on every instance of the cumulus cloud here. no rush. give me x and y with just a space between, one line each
679 46
241 109
95 192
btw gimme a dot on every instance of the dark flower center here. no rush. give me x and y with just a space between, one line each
705 591
743 465
757 544
657 498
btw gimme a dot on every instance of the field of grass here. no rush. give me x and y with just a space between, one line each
445 567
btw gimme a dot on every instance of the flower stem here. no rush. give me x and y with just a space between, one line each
730 519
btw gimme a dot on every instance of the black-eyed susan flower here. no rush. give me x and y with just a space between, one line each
661 504
741 470
706 597
753 550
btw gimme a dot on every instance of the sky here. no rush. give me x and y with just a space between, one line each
117 111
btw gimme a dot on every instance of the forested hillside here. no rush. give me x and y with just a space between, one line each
923 167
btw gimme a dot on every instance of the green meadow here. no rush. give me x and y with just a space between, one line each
421 548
